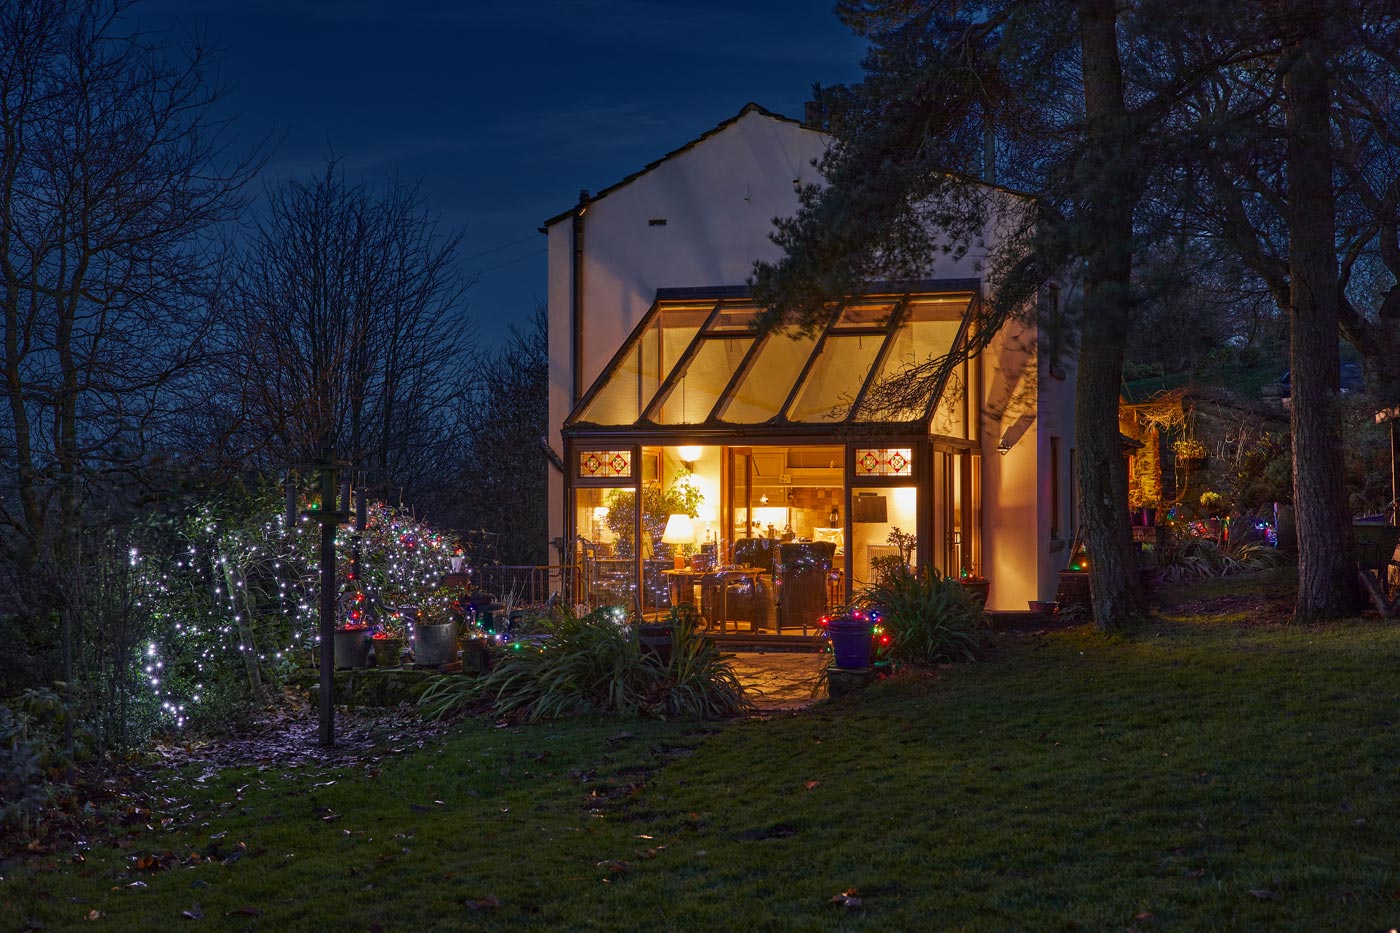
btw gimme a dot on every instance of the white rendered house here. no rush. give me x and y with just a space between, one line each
659 382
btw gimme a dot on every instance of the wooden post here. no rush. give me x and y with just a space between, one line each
328 523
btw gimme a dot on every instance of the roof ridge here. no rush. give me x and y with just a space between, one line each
748 108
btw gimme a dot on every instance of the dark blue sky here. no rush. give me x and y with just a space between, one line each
504 110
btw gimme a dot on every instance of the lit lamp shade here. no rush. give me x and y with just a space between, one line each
679 530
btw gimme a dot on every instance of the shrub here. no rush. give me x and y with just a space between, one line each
929 618
1183 556
591 664
31 755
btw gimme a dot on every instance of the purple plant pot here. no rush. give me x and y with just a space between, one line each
850 642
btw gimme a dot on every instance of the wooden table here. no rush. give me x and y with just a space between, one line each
682 584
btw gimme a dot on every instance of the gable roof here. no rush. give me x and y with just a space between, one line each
749 108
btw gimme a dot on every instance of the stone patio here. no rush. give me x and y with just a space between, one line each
778 680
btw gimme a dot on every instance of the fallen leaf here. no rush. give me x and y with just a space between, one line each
488 902
849 898
811 784
194 913
93 915
1263 895
244 912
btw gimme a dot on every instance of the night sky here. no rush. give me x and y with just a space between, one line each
503 111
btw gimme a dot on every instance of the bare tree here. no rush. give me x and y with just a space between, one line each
503 477
349 329
114 179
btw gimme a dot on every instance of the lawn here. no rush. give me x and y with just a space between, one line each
1204 771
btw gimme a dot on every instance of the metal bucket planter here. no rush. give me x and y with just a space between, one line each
351 647
388 652
434 645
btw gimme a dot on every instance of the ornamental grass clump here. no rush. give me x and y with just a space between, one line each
929 618
1184 556
593 664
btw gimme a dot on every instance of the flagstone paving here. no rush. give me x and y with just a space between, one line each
780 679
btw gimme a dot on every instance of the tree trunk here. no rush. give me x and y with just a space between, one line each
1327 585
1107 246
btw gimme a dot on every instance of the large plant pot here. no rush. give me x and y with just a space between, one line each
977 589
388 652
851 639
351 647
434 645
476 654
1074 591
657 640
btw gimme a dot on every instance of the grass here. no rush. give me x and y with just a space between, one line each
1194 773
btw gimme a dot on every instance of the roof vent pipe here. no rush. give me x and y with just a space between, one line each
576 294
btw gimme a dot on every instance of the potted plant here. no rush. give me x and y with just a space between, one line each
852 638
435 628
976 585
1190 451
352 645
388 644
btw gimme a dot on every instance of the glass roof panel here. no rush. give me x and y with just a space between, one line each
627 392
734 316
635 379
694 394
676 327
835 378
763 389
924 335
616 401
865 314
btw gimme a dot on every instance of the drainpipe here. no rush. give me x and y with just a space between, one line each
576 294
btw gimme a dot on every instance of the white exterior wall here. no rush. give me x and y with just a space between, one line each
718 199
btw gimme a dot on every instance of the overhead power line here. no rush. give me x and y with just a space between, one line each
497 249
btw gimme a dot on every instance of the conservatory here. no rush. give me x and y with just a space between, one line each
766 477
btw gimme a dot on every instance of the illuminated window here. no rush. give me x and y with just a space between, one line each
604 464
884 461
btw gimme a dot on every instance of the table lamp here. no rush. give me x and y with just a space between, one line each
679 530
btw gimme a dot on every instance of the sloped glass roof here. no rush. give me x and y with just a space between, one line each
702 362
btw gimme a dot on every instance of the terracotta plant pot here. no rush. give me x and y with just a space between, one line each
978 589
